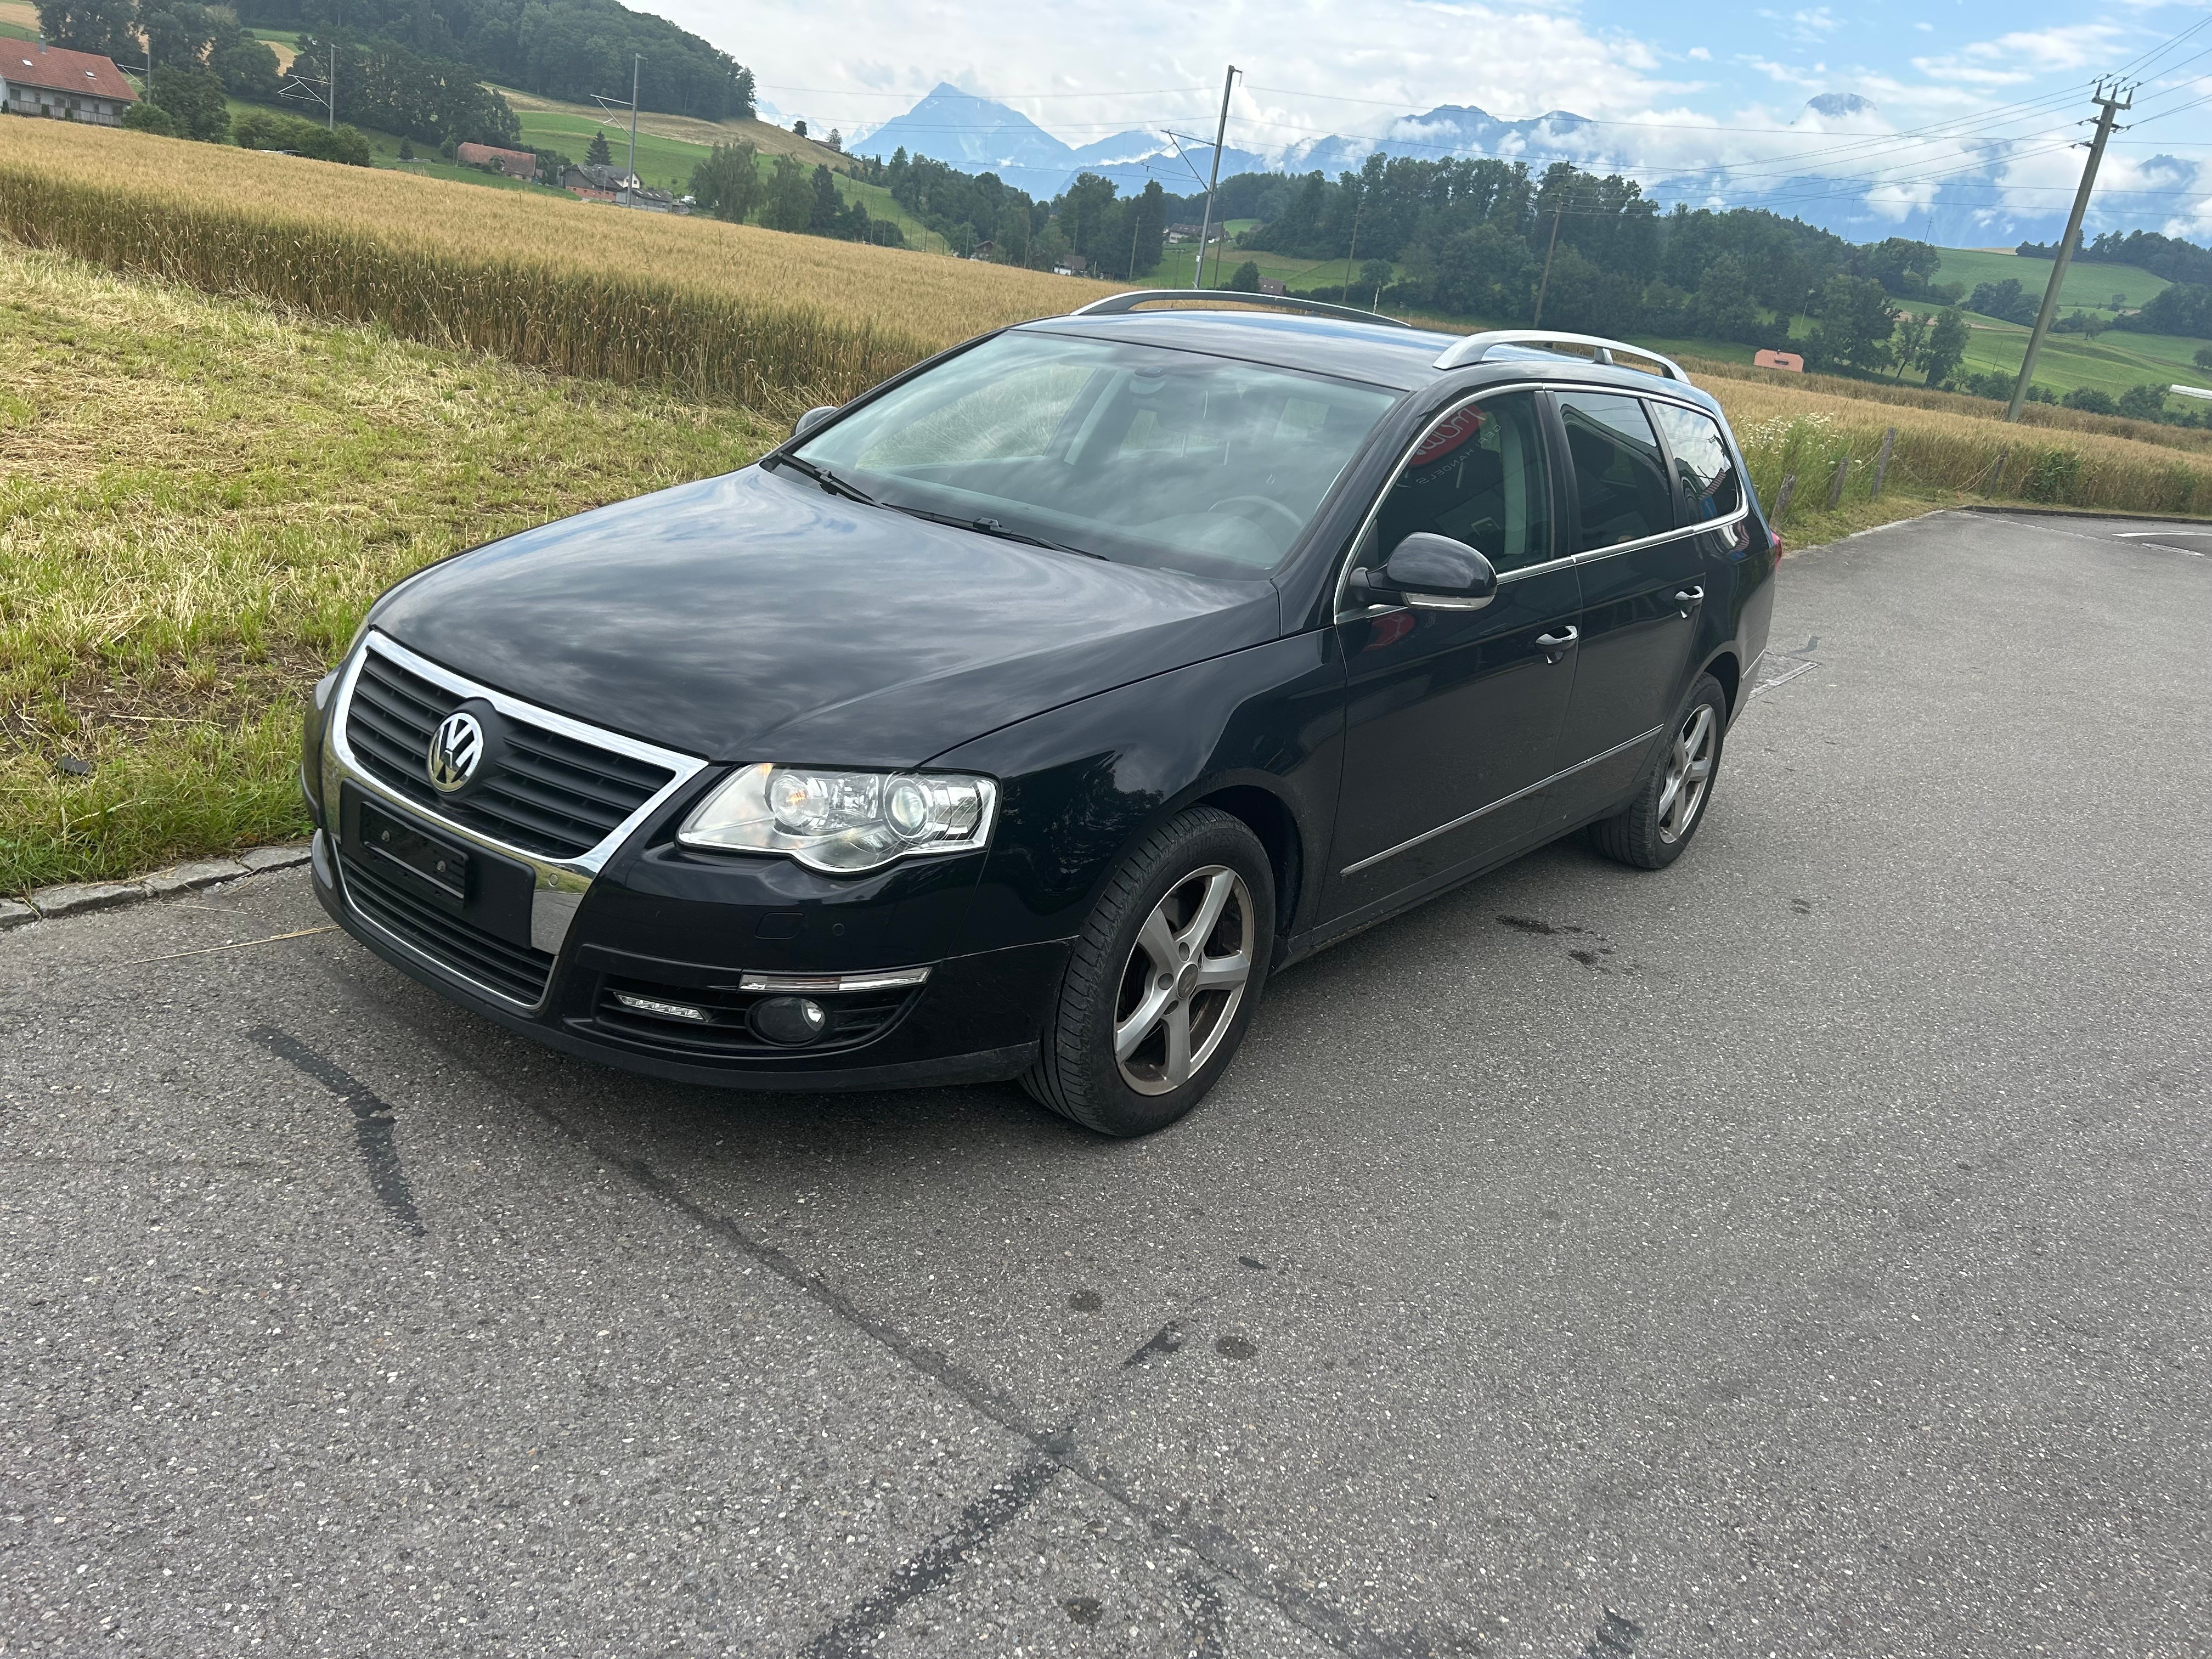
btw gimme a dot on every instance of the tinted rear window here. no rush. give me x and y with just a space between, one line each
1618 474
1701 461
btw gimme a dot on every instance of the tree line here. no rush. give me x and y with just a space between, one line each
2170 257
567 49
730 185
202 58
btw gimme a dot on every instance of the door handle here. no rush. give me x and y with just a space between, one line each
1689 598
1554 646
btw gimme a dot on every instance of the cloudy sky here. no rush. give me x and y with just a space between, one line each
1713 85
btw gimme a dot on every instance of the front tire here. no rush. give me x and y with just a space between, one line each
1163 980
1670 802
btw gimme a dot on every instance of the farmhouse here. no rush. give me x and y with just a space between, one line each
598 184
514 163
62 85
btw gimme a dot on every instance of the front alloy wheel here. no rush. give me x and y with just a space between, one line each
1163 979
1184 980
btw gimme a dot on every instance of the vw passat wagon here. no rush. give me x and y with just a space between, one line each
1018 719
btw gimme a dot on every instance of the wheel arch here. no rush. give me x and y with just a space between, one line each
1272 821
1724 667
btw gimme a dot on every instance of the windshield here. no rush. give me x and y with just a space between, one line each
1133 453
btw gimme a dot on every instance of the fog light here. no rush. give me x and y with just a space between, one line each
789 1020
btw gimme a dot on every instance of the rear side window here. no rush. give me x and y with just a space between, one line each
1701 461
1618 474
1477 477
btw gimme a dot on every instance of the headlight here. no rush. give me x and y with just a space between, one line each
844 821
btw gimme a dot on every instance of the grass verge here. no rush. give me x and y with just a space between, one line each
198 498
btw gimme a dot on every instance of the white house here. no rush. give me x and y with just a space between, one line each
36 79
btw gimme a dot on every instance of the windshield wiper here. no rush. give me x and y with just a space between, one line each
993 527
822 476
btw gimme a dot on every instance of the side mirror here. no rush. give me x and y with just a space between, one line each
813 418
1429 572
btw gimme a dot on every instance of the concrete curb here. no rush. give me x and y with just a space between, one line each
1997 509
79 898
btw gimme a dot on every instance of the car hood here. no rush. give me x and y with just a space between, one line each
755 616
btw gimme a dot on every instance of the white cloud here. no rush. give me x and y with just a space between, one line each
1084 72
1788 74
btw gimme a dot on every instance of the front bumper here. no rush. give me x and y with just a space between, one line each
589 950
976 1020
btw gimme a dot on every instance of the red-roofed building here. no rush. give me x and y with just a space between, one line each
61 84
514 163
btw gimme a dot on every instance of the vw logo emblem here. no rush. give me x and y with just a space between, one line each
455 748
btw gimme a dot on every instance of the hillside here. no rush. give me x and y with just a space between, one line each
2086 286
670 146
553 115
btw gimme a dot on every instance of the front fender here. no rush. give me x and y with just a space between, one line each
1080 783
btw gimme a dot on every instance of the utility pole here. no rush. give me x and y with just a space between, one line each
630 190
1352 253
2109 105
331 104
1220 132
1537 321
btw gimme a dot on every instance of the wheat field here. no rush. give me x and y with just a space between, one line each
729 311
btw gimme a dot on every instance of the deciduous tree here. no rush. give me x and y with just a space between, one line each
728 184
100 26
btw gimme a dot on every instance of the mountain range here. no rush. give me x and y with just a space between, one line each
975 135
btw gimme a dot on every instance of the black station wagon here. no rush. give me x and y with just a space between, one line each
1019 718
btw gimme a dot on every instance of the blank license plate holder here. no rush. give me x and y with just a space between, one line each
437 864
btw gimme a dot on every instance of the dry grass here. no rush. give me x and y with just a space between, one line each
730 312
199 497
2045 416
1944 459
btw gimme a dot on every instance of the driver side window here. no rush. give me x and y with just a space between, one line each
1477 476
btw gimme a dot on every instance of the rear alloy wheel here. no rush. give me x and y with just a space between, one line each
1163 980
1670 800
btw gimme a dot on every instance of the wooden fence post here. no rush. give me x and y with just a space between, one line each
1996 473
1836 484
1882 461
1781 498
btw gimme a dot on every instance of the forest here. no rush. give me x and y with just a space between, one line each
568 49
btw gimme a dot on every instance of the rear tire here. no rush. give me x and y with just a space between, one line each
1677 785
1163 980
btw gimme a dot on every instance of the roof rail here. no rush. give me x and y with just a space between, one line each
1475 347
1115 304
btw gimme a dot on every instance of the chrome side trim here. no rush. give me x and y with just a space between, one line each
558 885
1704 526
1503 800
1475 347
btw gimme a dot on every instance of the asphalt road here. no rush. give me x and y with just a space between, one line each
1799 1251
